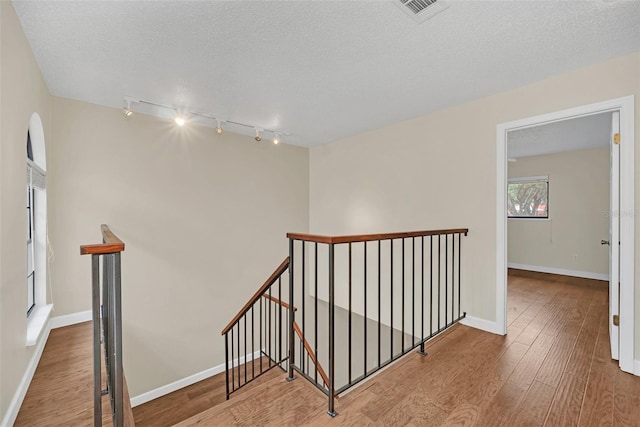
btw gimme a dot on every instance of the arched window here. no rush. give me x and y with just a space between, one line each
31 273
36 216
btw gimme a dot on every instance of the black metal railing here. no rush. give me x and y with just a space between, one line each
365 301
355 304
256 339
107 325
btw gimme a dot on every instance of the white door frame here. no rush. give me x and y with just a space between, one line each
625 106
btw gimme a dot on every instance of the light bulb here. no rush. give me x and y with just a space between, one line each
180 121
218 130
127 111
276 140
258 137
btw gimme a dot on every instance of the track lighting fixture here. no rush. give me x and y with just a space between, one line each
127 111
182 116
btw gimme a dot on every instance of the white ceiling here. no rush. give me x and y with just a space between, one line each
320 70
568 135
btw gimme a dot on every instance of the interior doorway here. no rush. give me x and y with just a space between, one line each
620 214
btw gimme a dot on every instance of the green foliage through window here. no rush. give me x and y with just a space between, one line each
528 199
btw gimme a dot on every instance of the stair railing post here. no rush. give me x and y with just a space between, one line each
331 410
118 380
292 350
97 368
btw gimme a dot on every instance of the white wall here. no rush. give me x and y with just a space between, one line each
578 214
439 171
203 216
22 93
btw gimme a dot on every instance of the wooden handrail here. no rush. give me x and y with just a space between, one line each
270 281
312 356
371 237
112 244
277 301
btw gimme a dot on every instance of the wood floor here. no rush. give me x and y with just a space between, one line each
553 369
61 392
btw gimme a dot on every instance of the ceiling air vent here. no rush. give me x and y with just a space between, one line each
421 10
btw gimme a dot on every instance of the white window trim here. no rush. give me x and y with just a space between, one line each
541 178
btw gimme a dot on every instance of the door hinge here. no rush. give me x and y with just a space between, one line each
616 320
616 138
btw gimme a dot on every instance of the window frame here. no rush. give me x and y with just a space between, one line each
530 180
31 272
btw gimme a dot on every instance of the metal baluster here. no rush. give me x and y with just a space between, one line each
391 301
245 347
269 325
315 343
260 335
459 273
379 300
446 277
238 342
304 297
279 359
253 342
365 307
97 363
331 411
233 368
226 362
431 285
350 312
117 338
403 261
421 351
413 291
106 315
291 317
439 250
453 276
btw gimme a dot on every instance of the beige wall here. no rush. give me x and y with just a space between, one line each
439 171
203 216
578 207
22 92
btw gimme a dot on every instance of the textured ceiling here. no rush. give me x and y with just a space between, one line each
568 135
320 70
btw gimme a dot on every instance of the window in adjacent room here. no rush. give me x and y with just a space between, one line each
528 197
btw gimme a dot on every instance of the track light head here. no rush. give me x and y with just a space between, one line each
258 137
180 121
276 140
218 128
127 111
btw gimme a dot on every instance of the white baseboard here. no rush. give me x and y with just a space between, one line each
16 402
561 271
184 382
70 319
485 325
